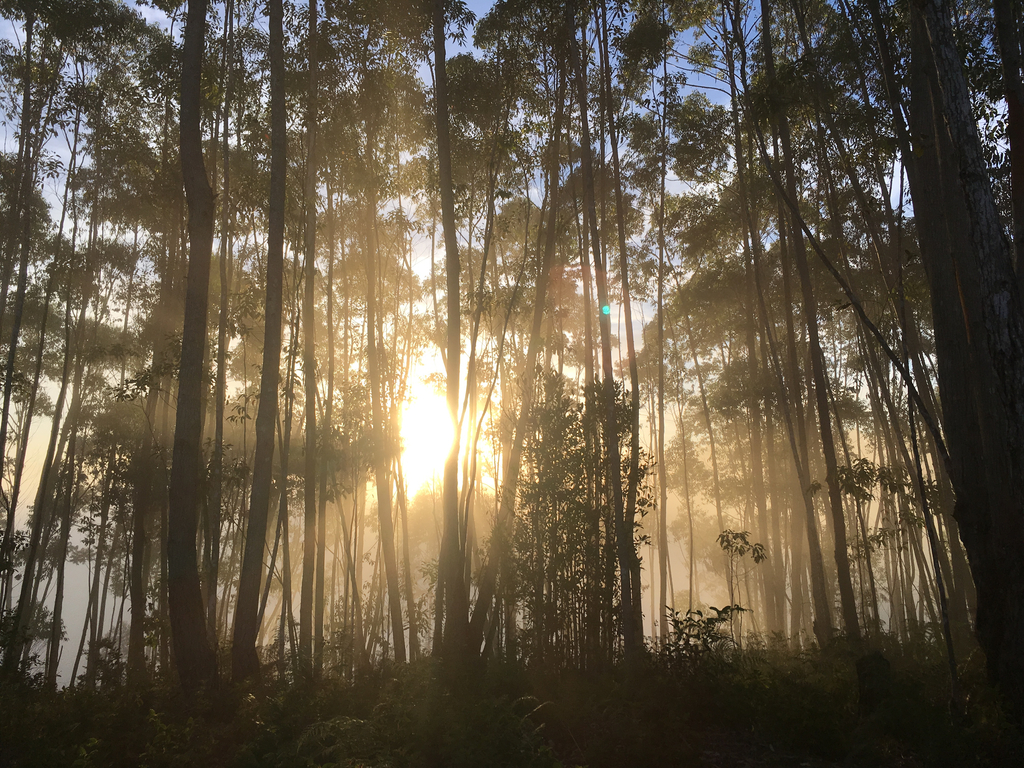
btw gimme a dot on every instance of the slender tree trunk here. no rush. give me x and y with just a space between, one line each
311 620
635 625
662 472
623 537
382 448
822 617
528 377
451 567
220 384
244 661
327 456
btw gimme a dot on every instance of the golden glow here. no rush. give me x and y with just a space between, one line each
426 437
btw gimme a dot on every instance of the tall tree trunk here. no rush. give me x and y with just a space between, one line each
220 384
1008 42
327 456
990 524
26 185
822 614
382 447
451 565
244 661
663 555
633 473
311 621
196 662
623 537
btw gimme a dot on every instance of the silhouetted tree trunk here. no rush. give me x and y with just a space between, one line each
220 383
194 658
663 556
311 621
451 566
623 537
1008 43
992 532
380 430
244 661
822 615
635 625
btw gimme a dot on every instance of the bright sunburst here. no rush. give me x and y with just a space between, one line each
426 438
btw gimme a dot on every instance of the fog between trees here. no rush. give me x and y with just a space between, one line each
722 300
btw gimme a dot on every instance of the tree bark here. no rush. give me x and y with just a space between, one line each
195 660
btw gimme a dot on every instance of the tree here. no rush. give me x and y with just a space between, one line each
244 661
194 658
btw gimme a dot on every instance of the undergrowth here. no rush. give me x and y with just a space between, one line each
711 704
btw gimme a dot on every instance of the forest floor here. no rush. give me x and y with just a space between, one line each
757 708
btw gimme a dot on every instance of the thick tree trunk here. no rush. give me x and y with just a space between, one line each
1008 42
978 275
195 660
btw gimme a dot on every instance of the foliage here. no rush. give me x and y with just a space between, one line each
696 639
766 705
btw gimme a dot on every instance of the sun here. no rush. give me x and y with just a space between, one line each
426 437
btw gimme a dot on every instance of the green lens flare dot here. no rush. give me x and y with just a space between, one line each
606 310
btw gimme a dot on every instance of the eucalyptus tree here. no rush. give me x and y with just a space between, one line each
623 529
313 539
538 85
244 661
78 65
47 97
954 186
194 658
450 566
